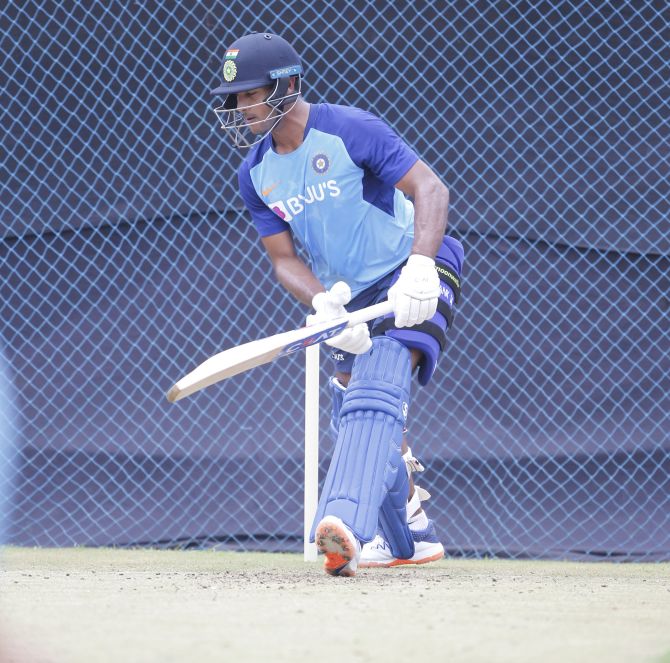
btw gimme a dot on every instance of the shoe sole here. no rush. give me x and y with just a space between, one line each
400 562
333 541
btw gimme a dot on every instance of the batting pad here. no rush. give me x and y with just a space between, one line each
367 469
337 391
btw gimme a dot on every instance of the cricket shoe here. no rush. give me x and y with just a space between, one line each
427 548
338 543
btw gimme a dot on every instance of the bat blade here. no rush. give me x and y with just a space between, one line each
243 357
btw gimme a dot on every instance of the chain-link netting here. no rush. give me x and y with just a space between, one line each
127 259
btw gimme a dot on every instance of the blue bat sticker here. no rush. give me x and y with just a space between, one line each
312 340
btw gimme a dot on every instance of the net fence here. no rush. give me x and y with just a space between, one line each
127 258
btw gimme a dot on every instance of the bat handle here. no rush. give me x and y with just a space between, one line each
369 313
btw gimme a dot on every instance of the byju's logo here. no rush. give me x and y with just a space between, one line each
314 193
280 210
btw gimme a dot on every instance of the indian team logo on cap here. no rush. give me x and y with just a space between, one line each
320 163
229 70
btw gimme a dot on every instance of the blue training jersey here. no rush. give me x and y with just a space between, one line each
336 193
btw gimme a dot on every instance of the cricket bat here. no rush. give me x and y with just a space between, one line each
255 353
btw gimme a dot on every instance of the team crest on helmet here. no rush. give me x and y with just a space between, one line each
320 163
229 70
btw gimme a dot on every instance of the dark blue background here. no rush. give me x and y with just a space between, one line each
127 259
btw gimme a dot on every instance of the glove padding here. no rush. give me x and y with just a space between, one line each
329 305
414 295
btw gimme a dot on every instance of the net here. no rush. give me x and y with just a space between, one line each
127 259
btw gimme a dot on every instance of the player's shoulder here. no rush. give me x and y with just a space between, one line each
339 115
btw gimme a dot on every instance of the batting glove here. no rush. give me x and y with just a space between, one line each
414 295
329 306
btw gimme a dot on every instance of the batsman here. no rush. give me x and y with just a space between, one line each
371 217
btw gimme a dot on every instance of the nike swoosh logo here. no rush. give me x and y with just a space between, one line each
270 189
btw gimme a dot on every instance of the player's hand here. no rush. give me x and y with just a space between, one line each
329 305
414 295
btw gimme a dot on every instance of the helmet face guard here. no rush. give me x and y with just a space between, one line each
241 132
255 61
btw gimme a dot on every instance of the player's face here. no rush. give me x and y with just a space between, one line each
253 118
251 104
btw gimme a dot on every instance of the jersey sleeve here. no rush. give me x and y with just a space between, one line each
265 220
373 144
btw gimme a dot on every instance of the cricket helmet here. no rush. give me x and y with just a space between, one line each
257 60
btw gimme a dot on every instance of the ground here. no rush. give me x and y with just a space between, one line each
86 605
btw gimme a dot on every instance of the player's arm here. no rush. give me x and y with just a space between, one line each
415 294
373 145
431 205
291 271
300 281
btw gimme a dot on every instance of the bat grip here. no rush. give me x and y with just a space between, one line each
369 313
